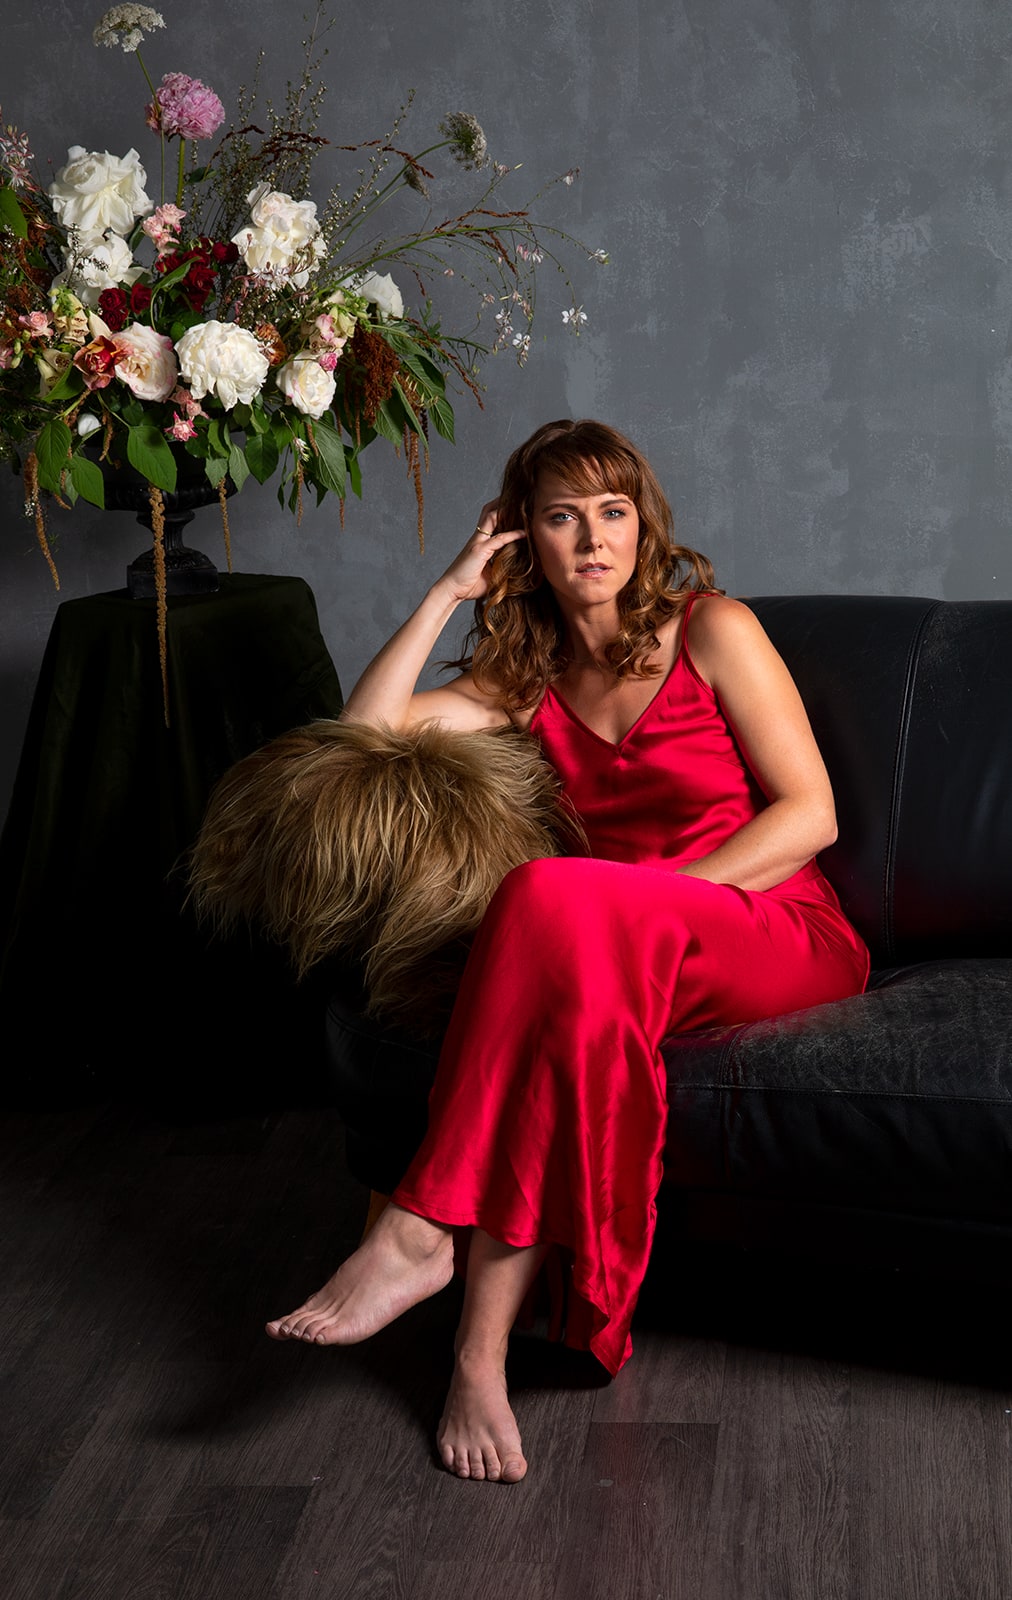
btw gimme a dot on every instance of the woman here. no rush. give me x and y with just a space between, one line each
684 747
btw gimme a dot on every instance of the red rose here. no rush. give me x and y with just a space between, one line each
115 308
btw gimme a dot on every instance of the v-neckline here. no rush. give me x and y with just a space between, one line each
616 744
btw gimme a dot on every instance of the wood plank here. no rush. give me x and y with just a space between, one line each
779 1516
922 1514
641 1518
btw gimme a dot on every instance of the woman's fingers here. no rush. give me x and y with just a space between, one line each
468 574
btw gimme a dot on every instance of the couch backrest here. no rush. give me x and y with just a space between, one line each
911 703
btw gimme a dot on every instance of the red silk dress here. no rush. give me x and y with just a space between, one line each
547 1116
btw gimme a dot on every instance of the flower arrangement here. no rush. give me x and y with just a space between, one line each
231 322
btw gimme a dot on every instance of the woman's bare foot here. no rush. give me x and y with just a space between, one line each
403 1260
478 1436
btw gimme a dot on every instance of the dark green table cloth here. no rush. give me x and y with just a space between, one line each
102 970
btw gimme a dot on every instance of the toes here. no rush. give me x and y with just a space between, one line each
513 1469
476 1463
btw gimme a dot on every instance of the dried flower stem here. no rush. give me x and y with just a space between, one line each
157 505
413 453
226 530
33 506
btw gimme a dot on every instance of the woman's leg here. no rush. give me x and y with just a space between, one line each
478 1435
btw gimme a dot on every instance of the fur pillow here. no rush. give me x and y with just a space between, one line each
341 839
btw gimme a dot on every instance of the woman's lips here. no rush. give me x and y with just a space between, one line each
593 569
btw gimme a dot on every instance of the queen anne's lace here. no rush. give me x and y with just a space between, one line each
126 26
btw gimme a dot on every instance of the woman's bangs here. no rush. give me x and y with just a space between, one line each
603 473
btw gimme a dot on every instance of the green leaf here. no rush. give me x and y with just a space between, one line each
427 373
217 433
355 476
216 467
410 416
87 480
441 413
330 458
149 453
67 387
52 448
11 214
387 425
238 468
262 456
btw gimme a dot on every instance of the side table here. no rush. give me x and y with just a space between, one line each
103 976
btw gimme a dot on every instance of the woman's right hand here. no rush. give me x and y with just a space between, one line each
467 578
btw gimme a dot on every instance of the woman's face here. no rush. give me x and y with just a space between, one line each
586 543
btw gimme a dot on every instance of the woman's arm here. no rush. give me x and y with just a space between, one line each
764 709
386 693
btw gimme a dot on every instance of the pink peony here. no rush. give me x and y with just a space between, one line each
185 107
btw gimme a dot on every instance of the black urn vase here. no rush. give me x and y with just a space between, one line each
186 571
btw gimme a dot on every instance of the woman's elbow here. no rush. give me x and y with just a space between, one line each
826 829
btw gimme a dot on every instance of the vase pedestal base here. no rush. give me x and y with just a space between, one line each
186 572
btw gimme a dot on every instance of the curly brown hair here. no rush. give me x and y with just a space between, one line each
518 642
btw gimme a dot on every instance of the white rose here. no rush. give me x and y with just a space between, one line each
285 240
146 362
304 382
96 191
106 264
384 294
222 359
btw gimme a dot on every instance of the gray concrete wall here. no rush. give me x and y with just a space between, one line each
805 321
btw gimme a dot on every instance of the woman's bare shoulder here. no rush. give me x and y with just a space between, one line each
722 631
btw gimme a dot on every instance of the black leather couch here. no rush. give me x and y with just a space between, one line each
881 1126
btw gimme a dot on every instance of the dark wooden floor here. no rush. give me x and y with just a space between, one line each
769 1440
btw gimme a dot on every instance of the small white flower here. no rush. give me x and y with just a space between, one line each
87 423
571 176
574 318
382 292
522 346
600 256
